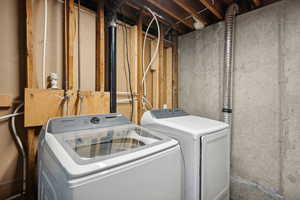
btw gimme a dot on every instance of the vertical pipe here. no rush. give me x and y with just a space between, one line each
228 63
112 65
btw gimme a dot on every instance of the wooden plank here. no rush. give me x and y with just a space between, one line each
161 19
100 48
156 79
134 59
212 8
6 100
190 10
43 104
169 76
70 49
140 89
170 13
162 70
175 72
31 80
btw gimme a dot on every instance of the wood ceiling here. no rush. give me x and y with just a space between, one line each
180 15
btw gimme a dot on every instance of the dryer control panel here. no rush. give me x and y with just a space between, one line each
167 113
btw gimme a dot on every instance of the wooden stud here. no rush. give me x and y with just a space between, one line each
190 10
212 9
169 76
156 76
31 83
100 48
175 72
170 13
140 61
162 70
31 80
165 21
70 49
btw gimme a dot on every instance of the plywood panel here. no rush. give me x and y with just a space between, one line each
6 100
42 104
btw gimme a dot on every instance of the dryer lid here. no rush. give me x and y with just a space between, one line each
194 125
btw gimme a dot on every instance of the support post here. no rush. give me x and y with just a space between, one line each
100 48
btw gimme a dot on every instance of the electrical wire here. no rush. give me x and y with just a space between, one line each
129 69
144 99
129 72
45 43
20 145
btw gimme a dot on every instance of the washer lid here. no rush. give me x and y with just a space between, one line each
89 151
194 125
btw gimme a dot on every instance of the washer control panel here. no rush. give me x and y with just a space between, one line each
66 124
168 113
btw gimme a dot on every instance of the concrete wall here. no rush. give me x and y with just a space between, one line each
265 160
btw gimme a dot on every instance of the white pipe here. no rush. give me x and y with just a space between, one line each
20 145
152 58
45 43
4 117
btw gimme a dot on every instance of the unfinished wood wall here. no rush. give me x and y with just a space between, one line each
159 79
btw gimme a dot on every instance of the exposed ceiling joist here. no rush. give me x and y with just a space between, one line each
212 8
167 22
191 11
170 13
257 3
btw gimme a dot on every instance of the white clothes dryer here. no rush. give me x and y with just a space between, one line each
205 145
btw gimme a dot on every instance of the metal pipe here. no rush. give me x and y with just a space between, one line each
113 7
112 66
228 62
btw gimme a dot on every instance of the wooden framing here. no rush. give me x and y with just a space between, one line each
100 48
212 8
140 89
162 70
165 21
190 10
175 73
170 13
32 139
71 20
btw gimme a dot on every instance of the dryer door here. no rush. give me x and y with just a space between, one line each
215 166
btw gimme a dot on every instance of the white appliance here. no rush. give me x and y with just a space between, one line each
205 146
106 157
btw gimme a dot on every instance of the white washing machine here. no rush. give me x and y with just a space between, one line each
205 145
106 157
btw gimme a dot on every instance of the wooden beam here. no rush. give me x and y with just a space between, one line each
31 82
175 72
162 70
100 48
191 11
70 49
140 89
257 3
170 13
212 9
161 19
